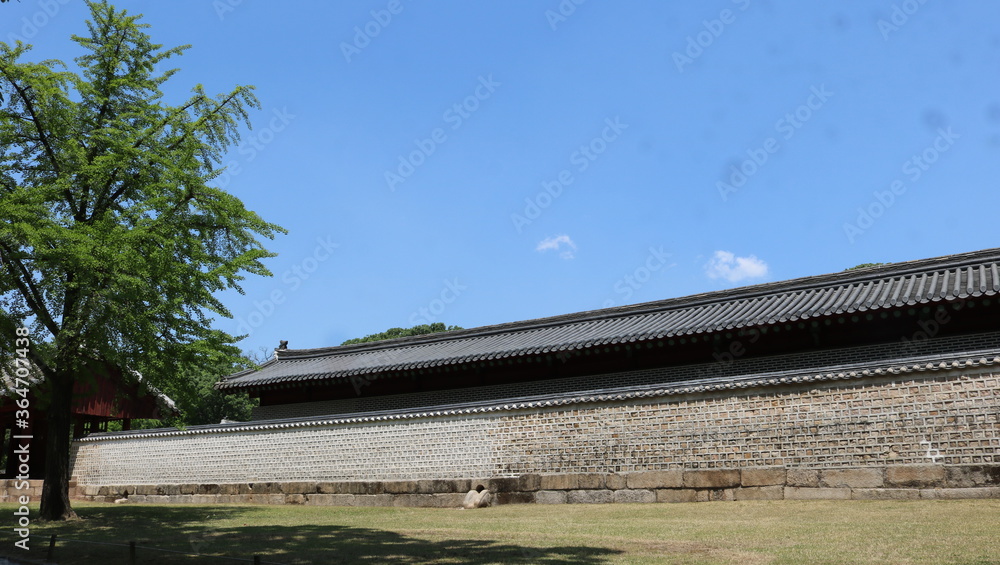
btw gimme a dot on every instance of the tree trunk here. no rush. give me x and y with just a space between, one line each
55 490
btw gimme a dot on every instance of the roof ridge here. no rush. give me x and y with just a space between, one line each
841 278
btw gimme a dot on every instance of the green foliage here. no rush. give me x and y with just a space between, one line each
863 266
112 237
199 402
393 333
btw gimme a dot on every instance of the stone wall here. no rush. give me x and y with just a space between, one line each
905 482
943 415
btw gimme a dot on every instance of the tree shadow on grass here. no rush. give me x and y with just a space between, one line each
193 530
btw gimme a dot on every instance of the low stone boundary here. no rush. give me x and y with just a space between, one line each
763 483
32 489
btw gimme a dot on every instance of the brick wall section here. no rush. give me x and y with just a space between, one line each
878 422
790 362
427 448
947 417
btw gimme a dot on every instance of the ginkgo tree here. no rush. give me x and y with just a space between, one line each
113 235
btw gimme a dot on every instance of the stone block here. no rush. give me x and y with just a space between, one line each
915 476
655 479
590 497
443 486
968 476
421 500
712 478
591 481
715 495
529 483
514 498
550 497
628 496
615 481
852 478
772 492
448 499
762 476
424 486
264 488
228 489
298 488
802 478
361 487
885 494
675 495
400 487
502 484
960 493
800 493
295 499
373 500
170 490
207 488
145 489
559 482
329 487
414 500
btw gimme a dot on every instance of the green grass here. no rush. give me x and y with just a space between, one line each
792 532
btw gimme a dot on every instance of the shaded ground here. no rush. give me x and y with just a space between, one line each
959 532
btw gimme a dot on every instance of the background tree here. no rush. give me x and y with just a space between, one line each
112 239
403 332
863 266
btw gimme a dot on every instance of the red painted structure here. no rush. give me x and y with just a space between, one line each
104 399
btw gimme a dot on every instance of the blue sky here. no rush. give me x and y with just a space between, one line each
479 163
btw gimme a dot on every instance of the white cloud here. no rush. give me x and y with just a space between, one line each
726 265
557 243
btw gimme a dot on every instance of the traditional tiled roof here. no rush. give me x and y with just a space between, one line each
953 277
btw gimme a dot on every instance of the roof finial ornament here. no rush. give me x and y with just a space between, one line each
282 344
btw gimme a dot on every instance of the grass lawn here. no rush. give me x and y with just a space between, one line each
793 532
